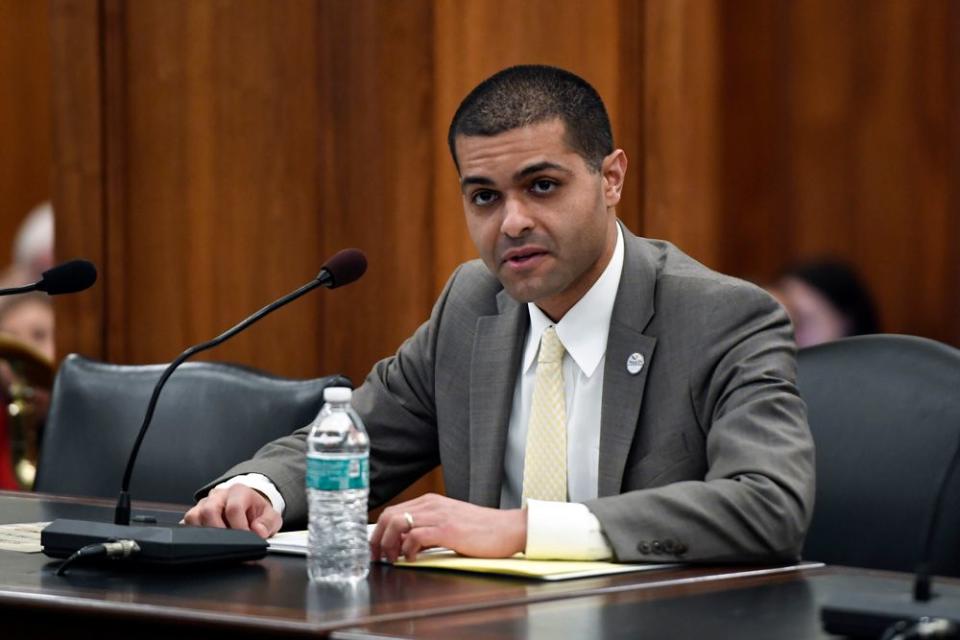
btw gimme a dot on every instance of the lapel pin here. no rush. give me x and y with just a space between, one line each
634 363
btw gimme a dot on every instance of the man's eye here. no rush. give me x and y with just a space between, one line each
483 198
543 186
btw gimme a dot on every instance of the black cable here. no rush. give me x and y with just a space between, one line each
116 549
14 290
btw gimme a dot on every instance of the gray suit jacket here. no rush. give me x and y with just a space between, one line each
705 454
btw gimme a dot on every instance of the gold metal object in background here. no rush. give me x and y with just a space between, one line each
26 377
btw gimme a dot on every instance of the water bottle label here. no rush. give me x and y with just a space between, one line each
338 474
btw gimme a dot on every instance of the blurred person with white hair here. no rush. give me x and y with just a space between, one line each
33 244
29 318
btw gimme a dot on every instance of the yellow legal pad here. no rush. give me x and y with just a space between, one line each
520 566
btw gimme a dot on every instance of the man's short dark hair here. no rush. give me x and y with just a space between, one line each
531 94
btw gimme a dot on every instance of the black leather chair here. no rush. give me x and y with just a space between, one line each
209 417
885 415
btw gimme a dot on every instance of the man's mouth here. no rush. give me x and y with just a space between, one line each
527 257
520 258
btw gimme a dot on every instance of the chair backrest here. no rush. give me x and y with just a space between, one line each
885 415
209 417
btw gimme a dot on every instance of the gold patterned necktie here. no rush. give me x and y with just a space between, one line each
545 459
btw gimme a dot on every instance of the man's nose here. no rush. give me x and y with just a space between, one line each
516 218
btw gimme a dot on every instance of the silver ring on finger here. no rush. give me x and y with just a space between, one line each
409 519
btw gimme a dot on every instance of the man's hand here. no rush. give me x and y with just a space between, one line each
238 507
438 521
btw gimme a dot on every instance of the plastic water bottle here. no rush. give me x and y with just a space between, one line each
338 482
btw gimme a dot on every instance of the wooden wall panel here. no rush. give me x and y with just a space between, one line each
376 173
220 182
754 145
902 182
25 125
79 167
839 123
679 119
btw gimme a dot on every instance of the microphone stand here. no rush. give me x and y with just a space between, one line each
175 546
122 511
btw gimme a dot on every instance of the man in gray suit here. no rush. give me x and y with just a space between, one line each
589 393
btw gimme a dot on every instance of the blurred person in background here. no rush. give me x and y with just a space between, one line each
33 244
28 318
26 370
826 300
26 345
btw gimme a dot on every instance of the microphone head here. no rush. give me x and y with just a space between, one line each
68 277
343 268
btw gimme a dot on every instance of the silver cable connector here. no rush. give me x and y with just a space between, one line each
121 548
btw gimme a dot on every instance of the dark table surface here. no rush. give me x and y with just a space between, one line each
275 596
781 607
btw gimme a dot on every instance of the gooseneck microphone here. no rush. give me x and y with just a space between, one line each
69 277
343 268
187 545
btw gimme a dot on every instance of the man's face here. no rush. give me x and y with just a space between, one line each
542 220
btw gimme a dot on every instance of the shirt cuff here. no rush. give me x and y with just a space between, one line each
564 531
261 483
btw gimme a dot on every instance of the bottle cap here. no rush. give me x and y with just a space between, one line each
337 394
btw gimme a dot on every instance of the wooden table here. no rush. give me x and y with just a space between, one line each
782 607
274 597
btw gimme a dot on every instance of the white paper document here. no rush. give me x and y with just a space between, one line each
23 537
295 542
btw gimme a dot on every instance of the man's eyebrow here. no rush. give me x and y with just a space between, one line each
481 180
537 168
517 177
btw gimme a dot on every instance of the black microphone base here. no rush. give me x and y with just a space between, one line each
160 546
869 615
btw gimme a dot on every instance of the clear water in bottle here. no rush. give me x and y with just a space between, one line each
338 481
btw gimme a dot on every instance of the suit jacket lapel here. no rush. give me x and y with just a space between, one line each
497 350
623 390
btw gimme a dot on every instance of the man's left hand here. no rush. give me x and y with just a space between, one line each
436 521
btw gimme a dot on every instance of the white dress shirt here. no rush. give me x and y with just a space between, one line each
559 530
567 530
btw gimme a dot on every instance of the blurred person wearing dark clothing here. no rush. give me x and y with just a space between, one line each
826 300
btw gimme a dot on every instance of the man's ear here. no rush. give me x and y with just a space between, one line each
614 171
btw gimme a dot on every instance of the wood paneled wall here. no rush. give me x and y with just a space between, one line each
25 150
209 155
840 125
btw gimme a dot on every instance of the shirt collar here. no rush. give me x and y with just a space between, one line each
583 330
